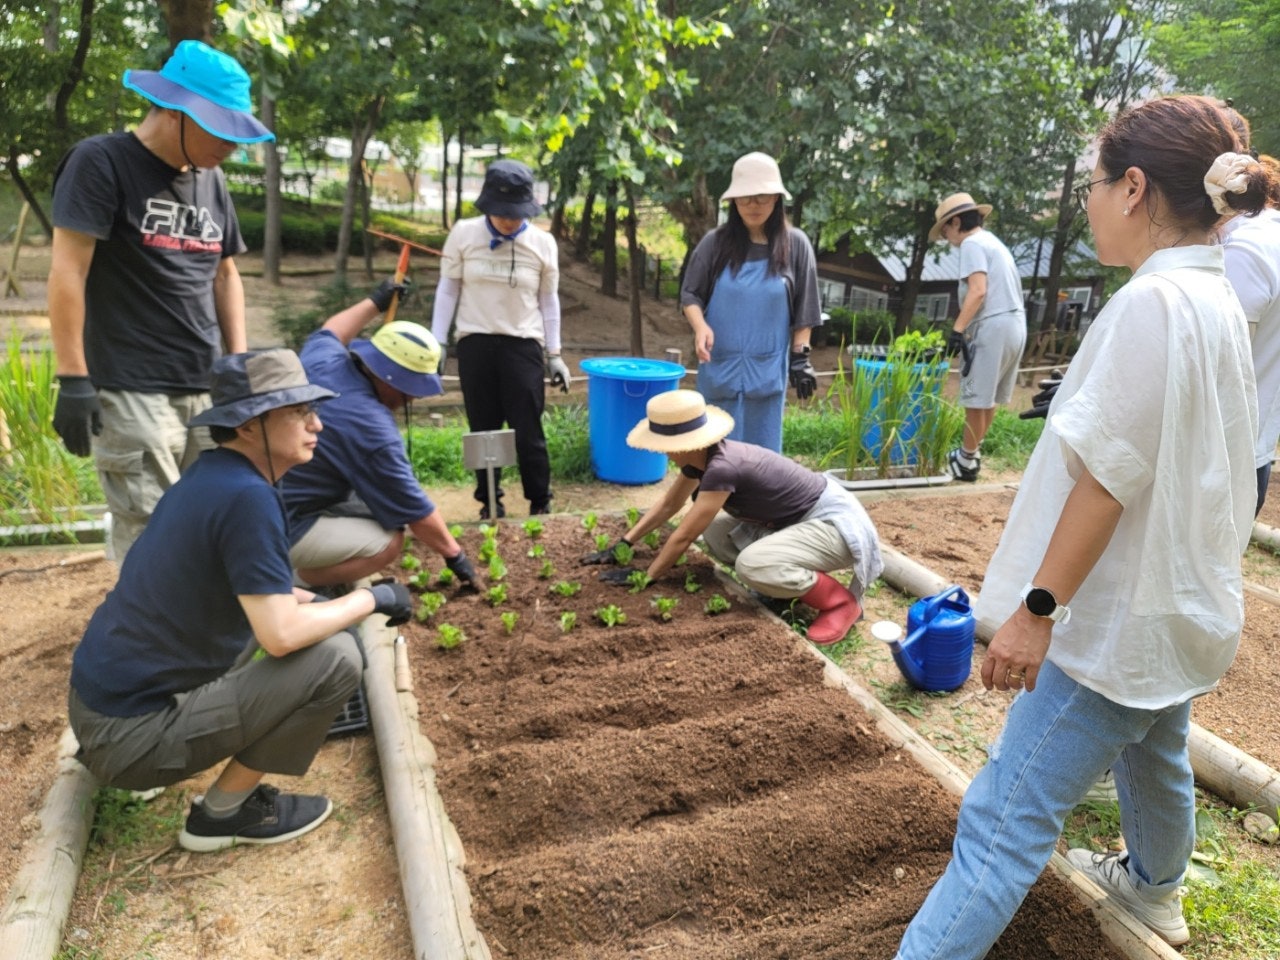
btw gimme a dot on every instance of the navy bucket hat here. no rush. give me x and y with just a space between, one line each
246 385
508 191
208 86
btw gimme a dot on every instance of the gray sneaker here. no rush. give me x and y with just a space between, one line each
1104 791
267 816
1110 871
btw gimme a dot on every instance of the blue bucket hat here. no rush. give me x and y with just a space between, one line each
405 355
248 384
508 191
208 86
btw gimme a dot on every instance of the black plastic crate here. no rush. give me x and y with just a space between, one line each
353 717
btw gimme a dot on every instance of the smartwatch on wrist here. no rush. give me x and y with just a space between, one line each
1042 603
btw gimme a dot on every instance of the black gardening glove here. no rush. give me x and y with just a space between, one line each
621 576
393 601
803 377
462 569
606 555
957 344
77 414
1040 402
384 292
444 355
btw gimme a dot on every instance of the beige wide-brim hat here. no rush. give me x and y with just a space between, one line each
955 204
754 174
678 421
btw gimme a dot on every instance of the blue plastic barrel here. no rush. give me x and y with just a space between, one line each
618 390
895 419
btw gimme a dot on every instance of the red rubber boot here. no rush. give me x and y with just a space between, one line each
838 610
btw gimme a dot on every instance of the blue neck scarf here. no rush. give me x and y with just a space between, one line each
496 237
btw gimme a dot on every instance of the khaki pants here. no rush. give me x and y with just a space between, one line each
272 714
144 446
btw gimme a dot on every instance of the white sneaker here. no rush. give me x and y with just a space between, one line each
1104 791
1110 871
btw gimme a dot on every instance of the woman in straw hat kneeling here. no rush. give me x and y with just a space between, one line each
782 527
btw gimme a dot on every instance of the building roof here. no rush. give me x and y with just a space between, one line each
942 262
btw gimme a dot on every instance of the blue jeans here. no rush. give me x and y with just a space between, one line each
1057 741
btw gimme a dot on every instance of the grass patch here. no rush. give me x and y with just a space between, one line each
1009 442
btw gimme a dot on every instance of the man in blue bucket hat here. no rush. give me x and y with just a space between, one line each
144 293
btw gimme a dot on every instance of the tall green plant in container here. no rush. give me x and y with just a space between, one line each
39 479
895 422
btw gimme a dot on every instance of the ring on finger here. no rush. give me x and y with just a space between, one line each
1017 675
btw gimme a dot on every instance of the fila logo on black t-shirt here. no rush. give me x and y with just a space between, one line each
180 226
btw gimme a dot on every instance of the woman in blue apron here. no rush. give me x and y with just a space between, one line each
750 294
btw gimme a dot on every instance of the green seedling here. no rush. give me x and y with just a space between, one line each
497 595
589 520
410 562
666 607
509 621
566 588
717 604
652 538
448 636
691 584
602 541
611 616
533 528
637 580
547 570
623 554
488 550
455 530
421 580
428 604
488 531
633 515
682 560
537 550
445 577
497 569
568 620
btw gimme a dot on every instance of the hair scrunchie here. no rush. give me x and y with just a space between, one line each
1229 174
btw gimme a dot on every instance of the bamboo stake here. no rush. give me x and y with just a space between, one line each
39 900
11 278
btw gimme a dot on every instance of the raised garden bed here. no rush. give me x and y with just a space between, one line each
679 789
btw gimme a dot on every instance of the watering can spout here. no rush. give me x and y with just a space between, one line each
937 653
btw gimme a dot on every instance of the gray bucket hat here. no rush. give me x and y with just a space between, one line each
245 385
508 191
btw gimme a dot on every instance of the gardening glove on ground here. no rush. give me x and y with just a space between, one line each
621 576
558 371
77 414
1040 402
462 569
384 292
606 555
393 601
803 377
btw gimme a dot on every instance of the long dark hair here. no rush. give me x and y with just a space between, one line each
1174 141
733 241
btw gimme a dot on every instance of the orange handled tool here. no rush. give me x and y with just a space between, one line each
402 268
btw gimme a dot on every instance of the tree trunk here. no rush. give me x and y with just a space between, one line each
634 255
188 20
582 242
915 271
24 188
696 213
457 204
1062 236
274 209
75 71
361 132
609 242
444 176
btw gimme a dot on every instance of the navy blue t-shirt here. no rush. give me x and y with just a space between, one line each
173 621
150 320
360 449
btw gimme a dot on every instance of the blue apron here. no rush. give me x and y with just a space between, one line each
750 315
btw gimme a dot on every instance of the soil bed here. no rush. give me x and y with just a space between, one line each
680 789
956 540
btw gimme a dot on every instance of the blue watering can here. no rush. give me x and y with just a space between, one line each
938 651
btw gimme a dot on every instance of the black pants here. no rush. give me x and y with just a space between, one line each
502 386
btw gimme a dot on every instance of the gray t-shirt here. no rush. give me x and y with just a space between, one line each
983 253
764 487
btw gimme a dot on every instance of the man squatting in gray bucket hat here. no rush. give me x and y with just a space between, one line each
204 650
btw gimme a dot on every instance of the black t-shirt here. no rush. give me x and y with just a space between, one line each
764 487
150 322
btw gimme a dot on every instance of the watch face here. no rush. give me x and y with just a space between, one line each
1041 602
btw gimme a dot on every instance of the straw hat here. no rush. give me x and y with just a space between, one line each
955 204
678 421
753 174
248 384
208 86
